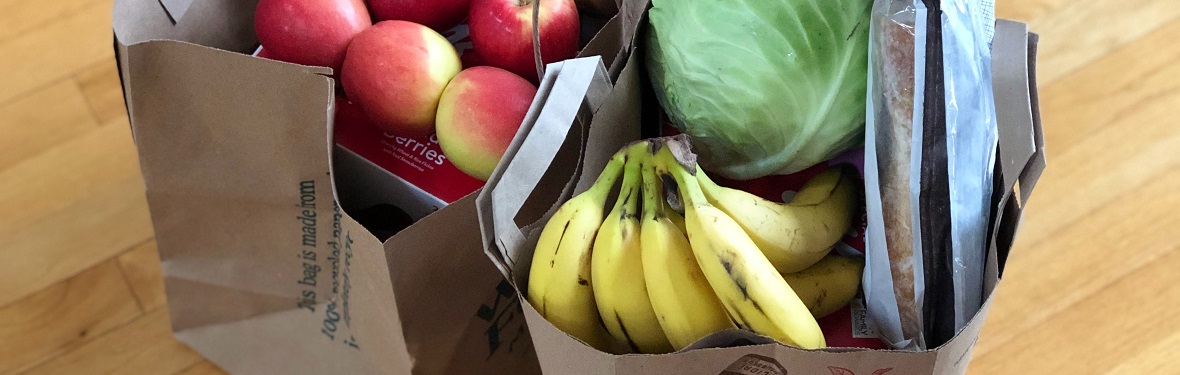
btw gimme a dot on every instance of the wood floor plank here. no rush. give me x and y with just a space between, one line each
203 368
17 16
1084 258
1103 94
145 346
1028 10
1159 358
1115 141
69 209
142 267
1103 168
1084 31
42 120
59 177
103 91
1100 332
64 316
55 50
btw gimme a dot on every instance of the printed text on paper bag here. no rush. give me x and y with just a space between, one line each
336 307
307 252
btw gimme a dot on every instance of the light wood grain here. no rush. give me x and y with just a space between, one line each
55 50
1159 358
141 265
1025 10
1090 287
62 317
72 207
104 92
41 120
1129 117
17 16
1133 149
1106 206
1101 332
1084 258
1105 93
145 346
1085 31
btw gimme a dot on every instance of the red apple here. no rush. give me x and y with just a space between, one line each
440 15
309 32
502 33
478 116
396 71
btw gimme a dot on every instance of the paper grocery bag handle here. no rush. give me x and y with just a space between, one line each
537 40
569 88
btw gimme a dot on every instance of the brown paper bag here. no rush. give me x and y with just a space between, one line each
573 131
264 273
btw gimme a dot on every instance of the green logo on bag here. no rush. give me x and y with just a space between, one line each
506 318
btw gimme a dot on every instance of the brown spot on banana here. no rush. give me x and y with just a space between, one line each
626 335
557 248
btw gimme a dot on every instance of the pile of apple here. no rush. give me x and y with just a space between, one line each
395 65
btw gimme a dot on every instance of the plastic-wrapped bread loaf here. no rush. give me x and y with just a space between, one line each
894 158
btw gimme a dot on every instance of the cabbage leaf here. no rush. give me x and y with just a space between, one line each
762 86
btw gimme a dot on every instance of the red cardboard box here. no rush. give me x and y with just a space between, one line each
431 180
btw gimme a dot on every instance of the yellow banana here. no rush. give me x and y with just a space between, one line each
617 270
754 294
829 285
559 278
798 234
682 299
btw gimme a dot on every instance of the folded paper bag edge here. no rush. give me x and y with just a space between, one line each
483 201
582 78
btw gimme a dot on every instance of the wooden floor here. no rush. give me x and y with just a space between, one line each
1092 286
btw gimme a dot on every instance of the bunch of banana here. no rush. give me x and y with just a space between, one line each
829 285
798 234
645 279
685 304
617 270
559 279
753 292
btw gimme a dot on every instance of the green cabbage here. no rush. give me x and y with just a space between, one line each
762 86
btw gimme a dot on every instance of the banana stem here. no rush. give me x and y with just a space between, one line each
628 201
610 174
690 188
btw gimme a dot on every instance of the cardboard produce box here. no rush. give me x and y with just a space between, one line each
584 118
409 173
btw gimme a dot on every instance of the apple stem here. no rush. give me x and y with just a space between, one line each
523 3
